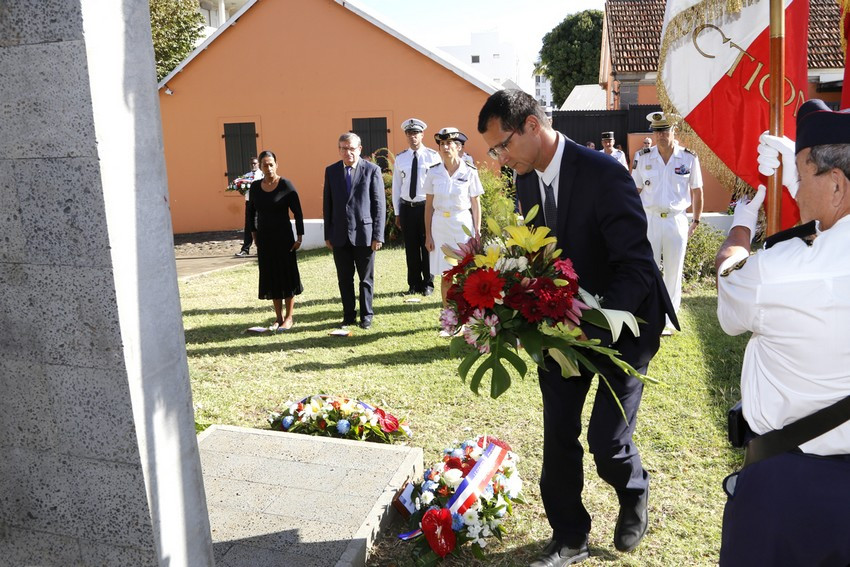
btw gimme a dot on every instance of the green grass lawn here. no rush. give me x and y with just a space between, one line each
403 365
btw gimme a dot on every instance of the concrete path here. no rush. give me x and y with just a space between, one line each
190 267
282 499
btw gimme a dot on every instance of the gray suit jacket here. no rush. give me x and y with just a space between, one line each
358 218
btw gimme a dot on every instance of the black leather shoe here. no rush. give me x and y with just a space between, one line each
632 523
347 322
410 291
428 291
366 322
557 554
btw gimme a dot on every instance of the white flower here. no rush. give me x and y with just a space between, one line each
470 517
427 497
453 477
418 503
521 263
513 485
362 419
482 543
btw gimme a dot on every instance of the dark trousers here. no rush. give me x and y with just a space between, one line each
247 240
418 260
792 509
609 438
349 258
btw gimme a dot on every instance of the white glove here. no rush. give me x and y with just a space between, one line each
747 212
770 147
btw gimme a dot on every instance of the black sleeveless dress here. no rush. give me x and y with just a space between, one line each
268 212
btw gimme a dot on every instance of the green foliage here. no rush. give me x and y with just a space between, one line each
175 27
570 52
699 258
497 202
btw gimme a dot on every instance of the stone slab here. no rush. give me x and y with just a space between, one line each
288 499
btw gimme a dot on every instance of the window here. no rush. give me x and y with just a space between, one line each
476 59
495 56
373 137
240 145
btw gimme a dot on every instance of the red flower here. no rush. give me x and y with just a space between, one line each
467 465
322 424
437 527
462 307
454 463
483 287
387 421
460 267
336 405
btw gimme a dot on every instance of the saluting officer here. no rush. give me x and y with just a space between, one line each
608 148
669 180
409 205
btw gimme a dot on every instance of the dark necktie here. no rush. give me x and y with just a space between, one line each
414 177
550 209
348 179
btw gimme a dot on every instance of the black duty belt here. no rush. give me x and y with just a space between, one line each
413 203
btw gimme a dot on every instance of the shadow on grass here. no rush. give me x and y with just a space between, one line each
388 547
313 302
293 339
315 321
722 353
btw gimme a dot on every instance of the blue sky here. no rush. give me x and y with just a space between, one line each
450 22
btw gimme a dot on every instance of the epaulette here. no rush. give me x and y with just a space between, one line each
470 166
686 150
427 149
736 266
435 165
803 231
402 152
645 151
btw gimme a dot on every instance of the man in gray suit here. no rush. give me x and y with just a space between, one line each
354 213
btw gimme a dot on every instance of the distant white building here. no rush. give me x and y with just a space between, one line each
216 12
543 90
585 97
492 58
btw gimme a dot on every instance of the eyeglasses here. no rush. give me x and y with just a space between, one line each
497 150
349 148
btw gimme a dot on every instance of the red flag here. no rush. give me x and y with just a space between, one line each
714 72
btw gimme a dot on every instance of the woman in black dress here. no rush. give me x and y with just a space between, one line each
271 199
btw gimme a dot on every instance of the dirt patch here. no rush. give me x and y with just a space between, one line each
203 244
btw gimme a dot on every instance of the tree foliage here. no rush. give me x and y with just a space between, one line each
570 52
175 27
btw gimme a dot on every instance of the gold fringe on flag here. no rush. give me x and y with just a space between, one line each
844 5
680 26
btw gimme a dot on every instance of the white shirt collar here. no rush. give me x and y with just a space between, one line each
552 170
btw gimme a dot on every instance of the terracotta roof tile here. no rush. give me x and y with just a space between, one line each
634 28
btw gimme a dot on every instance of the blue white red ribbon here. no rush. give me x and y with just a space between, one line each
478 478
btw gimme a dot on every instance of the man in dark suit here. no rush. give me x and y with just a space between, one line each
354 214
590 203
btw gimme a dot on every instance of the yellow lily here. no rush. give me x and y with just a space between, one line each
493 253
530 240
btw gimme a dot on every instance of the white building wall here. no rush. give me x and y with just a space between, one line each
493 59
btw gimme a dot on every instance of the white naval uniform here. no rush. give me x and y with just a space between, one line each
795 299
620 156
452 208
425 158
666 194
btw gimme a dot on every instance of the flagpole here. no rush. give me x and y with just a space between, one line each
777 114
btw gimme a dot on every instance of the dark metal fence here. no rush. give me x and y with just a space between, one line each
587 125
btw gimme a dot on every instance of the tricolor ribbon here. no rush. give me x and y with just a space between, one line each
410 535
478 478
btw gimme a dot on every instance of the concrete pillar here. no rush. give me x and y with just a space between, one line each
222 13
98 458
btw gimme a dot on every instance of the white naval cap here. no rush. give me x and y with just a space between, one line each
413 124
662 120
